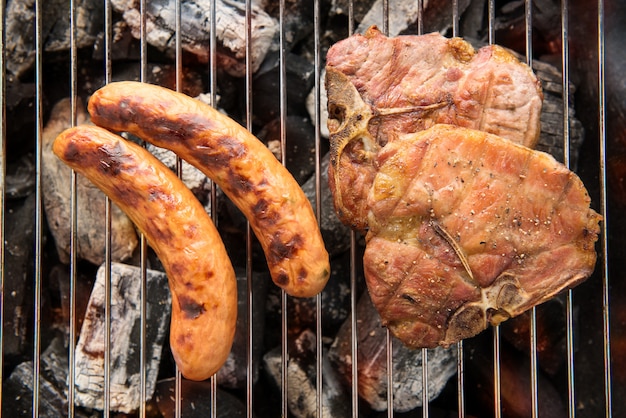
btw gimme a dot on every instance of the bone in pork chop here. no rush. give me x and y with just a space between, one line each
466 226
380 87
468 229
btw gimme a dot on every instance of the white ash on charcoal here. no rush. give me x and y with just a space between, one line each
195 400
323 110
403 14
91 202
233 374
372 363
19 27
301 390
195 30
125 330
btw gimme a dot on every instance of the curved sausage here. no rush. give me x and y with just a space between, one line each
199 271
245 169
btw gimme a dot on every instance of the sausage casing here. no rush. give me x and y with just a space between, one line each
245 169
176 226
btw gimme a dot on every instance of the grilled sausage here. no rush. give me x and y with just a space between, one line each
176 226
245 169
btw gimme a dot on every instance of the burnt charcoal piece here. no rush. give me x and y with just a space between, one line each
20 102
20 178
56 179
403 15
17 390
195 400
125 323
551 335
302 395
18 274
336 235
372 363
59 290
20 26
161 26
515 383
300 78
302 312
300 138
297 21
233 374
17 394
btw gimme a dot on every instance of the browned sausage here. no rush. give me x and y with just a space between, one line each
176 226
278 211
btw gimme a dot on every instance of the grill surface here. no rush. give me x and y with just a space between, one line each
588 387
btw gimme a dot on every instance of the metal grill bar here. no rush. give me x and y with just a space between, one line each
71 378
461 383
569 307
603 202
3 175
38 202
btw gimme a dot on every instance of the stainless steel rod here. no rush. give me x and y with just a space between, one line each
606 317
389 352
497 398
3 176
143 249
108 41
425 397
460 380
569 301
354 353
71 378
319 381
528 7
38 208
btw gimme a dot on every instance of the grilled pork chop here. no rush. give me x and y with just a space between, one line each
468 229
466 226
380 87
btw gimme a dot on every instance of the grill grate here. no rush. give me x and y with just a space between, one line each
574 391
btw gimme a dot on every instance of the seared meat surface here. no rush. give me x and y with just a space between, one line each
467 229
380 87
465 225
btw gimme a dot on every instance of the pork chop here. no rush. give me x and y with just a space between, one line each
380 87
467 229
